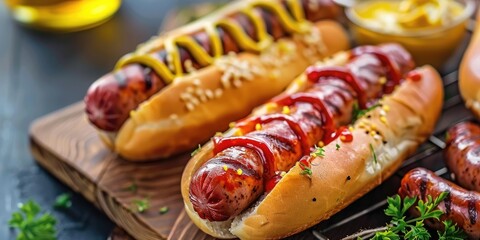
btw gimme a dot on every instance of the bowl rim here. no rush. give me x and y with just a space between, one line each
467 12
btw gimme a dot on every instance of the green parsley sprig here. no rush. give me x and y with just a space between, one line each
412 229
30 226
358 113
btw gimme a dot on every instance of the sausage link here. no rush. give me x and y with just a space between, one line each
109 100
462 155
460 206
214 201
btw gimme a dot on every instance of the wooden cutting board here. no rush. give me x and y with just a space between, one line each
66 145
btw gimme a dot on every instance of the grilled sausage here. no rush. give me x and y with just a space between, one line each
462 155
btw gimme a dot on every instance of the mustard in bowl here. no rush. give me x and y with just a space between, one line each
430 29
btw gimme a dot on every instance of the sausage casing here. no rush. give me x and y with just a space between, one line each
462 155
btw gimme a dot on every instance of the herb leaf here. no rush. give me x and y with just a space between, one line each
358 113
31 226
163 210
196 150
387 235
307 171
141 205
132 187
306 168
451 232
318 152
337 146
374 154
63 201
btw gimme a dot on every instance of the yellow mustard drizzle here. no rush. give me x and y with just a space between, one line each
173 69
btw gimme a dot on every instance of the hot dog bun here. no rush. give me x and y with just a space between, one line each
469 73
164 124
341 176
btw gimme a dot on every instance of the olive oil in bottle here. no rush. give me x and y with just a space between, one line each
62 15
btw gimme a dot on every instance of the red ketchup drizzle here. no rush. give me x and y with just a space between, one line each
272 182
249 124
328 124
393 71
342 132
414 76
220 144
316 73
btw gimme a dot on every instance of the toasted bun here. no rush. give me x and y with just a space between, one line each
469 75
171 122
343 175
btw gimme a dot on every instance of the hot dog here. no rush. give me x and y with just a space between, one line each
462 154
248 183
460 206
249 45
287 141
469 76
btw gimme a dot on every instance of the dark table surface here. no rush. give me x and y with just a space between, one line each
42 72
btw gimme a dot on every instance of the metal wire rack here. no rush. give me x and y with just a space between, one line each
367 212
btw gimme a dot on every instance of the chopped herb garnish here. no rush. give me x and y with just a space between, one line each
141 205
132 187
196 150
412 229
358 113
306 169
318 152
337 146
63 201
163 210
373 153
32 226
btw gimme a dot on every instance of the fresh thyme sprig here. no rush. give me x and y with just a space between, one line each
412 229
30 225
